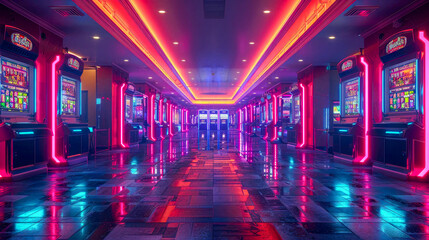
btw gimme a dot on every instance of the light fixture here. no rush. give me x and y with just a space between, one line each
176 43
269 82
149 77
251 43
156 82
95 37
267 11
244 60
331 37
126 60
276 77
238 72
254 93
300 60
183 60
162 11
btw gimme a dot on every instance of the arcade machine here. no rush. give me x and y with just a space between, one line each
398 141
158 117
202 120
295 115
214 120
145 121
224 120
348 132
23 140
284 115
257 119
263 117
133 114
270 116
164 111
72 134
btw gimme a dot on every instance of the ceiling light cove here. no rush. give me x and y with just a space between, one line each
138 26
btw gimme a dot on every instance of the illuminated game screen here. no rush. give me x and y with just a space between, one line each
270 112
336 112
128 108
68 97
138 107
223 116
351 91
164 113
296 109
156 111
14 87
286 108
402 87
263 114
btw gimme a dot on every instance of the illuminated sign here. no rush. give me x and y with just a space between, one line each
347 65
396 44
73 63
21 41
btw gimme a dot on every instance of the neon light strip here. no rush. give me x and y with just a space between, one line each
171 119
80 98
341 100
182 113
151 120
417 85
343 130
35 89
426 101
275 118
366 111
121 117
26 133
303 122
266 119
54 109
394 132
60 109
383 92
77 130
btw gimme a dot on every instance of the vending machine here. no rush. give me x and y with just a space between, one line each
72 133
292 128
398 141
224 119
202 120
23 140
348 131
214 120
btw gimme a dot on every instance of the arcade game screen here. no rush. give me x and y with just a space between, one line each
203 118
128 108
263 114
164 113
257 111
138 107
336 112
68 96
296 109
270 112
286 107
156 112
213 118
351 93
402 87
14 87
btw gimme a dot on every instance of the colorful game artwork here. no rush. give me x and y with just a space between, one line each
296 109
14 87
138 107
352 97
68 97
128 108
336 112
402 88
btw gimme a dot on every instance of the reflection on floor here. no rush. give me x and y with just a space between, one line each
216 186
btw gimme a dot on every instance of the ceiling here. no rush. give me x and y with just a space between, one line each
213 49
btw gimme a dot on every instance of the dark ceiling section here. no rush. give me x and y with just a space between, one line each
214 9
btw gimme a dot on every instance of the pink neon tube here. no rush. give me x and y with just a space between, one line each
266 120
426 101
366 110
171 119
303 115
54 109
121 117
151 116
274 118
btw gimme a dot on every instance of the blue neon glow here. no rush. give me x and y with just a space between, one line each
410 123
77 130
98 100
417 87
60 108
91 129
35 90
26 133
341 100
394 132
343 130
382 92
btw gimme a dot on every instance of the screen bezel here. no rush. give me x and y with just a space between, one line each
343 97
78 92
386 88
31 90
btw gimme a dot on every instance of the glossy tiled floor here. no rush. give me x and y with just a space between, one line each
222 186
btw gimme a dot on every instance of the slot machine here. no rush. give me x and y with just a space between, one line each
348 131
202 120
224 119
72 133
398 141
284 115
214 120
133 114
23 140
292 127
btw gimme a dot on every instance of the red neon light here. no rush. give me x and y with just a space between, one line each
239 119
170 116
303 116
121 117
366 112
161 118
266 120
426 101
151 120
54 109
275 118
